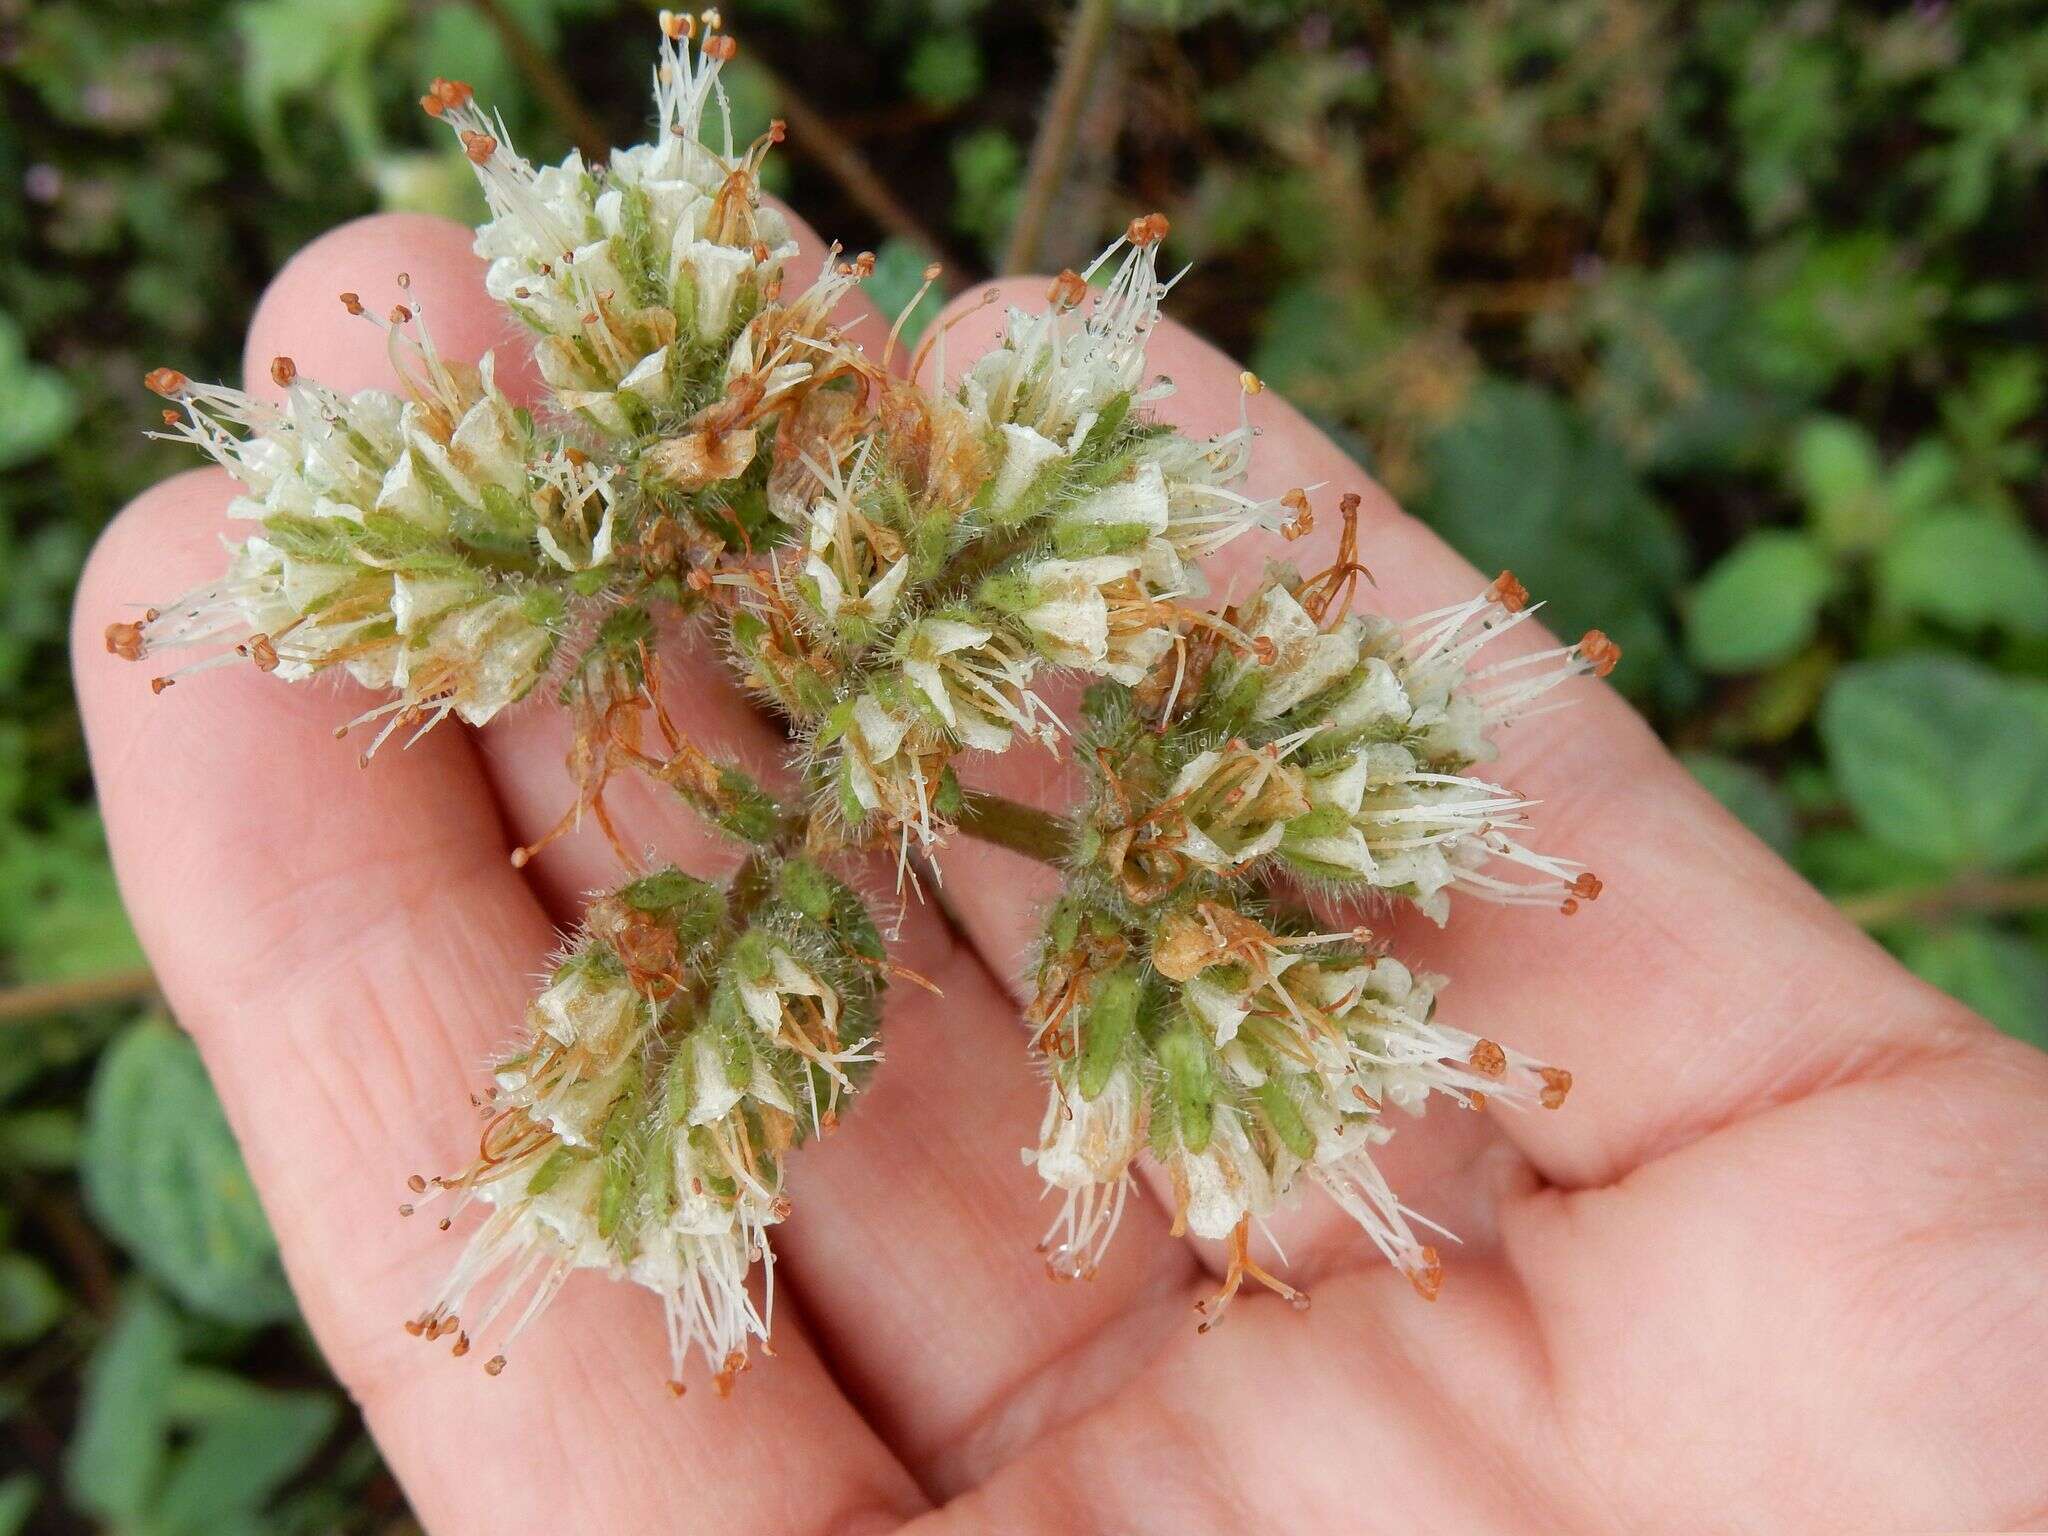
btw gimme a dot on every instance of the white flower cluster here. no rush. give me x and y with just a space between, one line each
1087 530
1366 788
636 275
419 544
1248 1060
1180 1015
641 1129
899 571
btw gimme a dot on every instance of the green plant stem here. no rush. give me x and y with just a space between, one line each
1053 148
1020 828
1969 894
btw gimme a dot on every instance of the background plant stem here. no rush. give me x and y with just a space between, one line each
1971 894
1053 148
1020 828
554 89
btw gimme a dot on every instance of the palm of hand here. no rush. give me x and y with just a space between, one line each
1777 1264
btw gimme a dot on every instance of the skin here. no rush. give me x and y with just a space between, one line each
1777 1264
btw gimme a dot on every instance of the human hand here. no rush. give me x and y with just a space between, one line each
1776 1264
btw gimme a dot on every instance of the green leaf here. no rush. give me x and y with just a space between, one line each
247 1446
18 1495
30 1301
46 1138
1971 570
1749 794
1942 758
944 68
162 1172
1520 480
37 405
1835 468
1760 604
988 175
1859 300
2003 977
116 1457
1846 861
320 50
67 920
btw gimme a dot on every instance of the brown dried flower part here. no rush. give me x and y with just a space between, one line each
1556 1084
700 458
646 946
1188 943
1304 520
261 651
125 641
1428 1274
1587 887
934 444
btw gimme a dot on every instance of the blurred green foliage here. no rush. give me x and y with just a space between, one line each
1719 322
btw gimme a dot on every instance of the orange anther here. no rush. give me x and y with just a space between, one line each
1508 592
1598 652
1488 1059
1147 229
1428 1275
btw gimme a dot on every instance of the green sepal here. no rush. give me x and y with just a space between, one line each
1108 1019
553 1166
1285 1118
1190 1085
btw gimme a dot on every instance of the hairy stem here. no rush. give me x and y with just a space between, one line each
1020 828
1053 148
